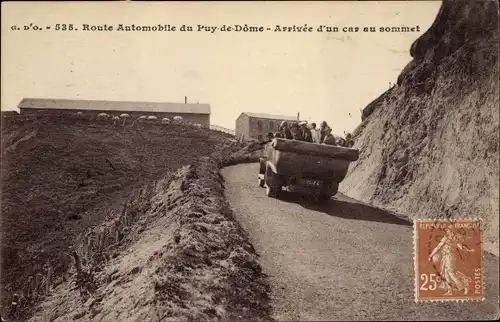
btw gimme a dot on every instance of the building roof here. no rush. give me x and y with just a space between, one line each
114 106
271 116
9 112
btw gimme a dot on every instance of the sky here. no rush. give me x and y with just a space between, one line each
328 76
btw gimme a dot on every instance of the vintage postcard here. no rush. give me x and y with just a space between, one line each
249 161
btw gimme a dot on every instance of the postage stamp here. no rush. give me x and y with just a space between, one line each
448 260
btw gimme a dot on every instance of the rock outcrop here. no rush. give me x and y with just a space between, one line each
429 146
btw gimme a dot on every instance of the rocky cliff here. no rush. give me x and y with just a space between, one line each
429 146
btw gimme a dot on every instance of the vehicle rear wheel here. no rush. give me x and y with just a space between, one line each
334 189
328 189
262 165
323 198
273 191
269 192
272 182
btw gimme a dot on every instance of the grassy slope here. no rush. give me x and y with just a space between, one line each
61 177
184 257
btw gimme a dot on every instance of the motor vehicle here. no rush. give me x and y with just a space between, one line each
299 166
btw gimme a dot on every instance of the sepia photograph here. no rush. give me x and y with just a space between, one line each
249 161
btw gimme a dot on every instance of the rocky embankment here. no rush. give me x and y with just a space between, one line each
429 146
62 175
171 243
179 255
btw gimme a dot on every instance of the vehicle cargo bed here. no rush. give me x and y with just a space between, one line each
314 149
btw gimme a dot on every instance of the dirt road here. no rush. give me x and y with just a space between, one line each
340 261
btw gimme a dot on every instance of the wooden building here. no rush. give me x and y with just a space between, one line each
9 113
194 113
258 125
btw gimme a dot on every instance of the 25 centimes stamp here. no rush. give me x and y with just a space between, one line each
448 260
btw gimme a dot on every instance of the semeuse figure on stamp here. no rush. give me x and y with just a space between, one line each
446 253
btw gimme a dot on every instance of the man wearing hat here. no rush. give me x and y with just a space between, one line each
269 138
306 133
296 132
329 138
349 140
324 130
285 131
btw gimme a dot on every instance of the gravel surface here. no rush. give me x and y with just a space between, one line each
340 261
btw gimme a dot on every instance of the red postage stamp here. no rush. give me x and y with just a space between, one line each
448 260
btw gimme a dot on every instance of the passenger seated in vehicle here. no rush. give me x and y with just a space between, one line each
296 133
285 130
329 138
341 142
349 140
269 138
306 132
316 136
323 130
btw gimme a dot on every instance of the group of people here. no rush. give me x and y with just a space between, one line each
302 132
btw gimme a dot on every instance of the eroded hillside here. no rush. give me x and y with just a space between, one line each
429 146
181 255
62 176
